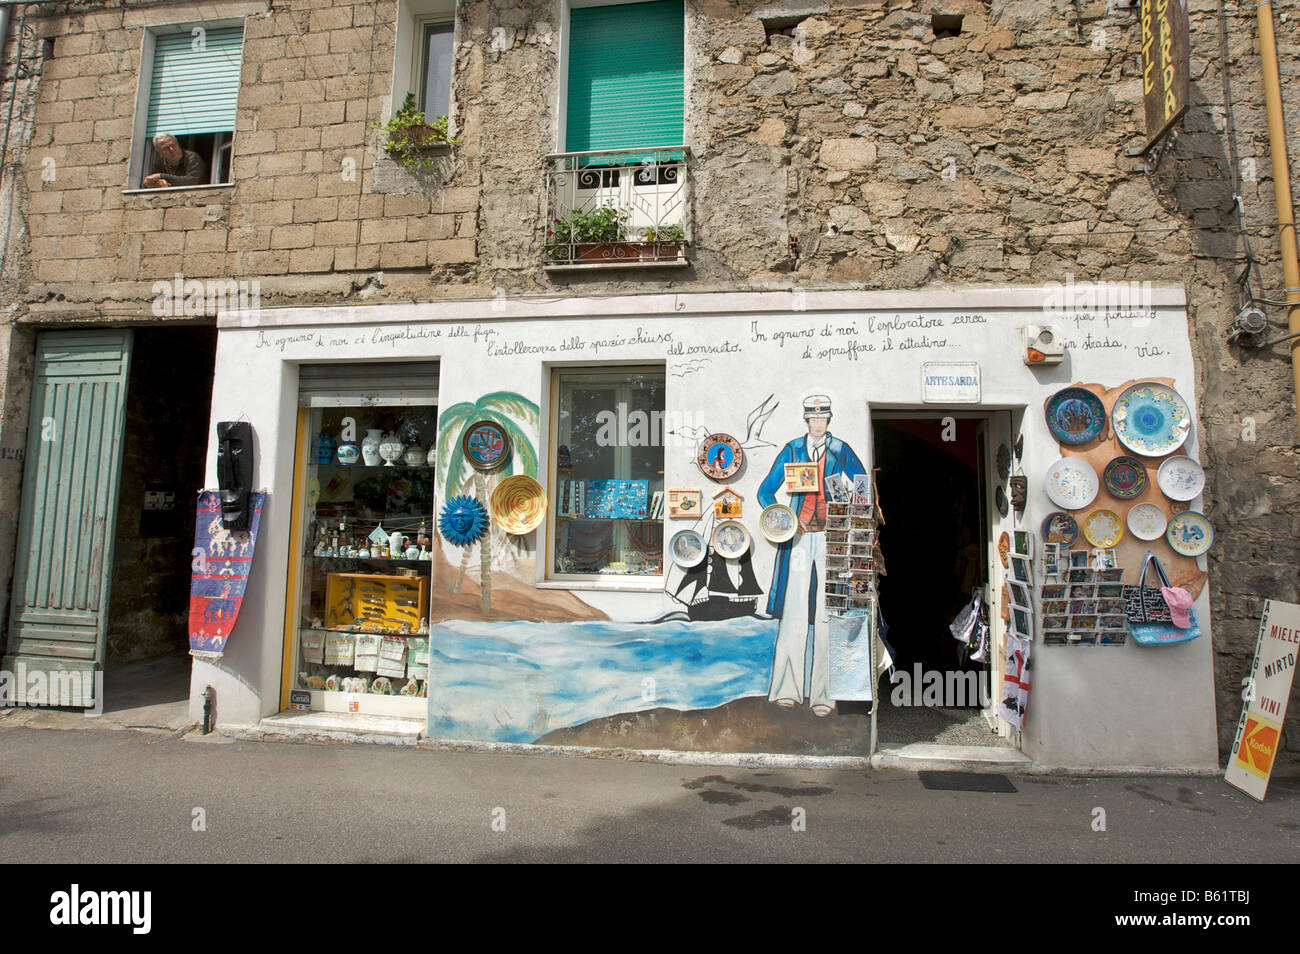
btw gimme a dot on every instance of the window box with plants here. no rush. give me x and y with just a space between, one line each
603 236
413 140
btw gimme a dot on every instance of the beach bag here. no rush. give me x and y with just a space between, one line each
1147 629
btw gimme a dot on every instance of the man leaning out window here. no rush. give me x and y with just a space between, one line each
174 166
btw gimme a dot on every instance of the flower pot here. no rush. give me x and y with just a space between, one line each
370 447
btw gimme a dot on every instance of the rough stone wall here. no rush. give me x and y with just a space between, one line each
863 151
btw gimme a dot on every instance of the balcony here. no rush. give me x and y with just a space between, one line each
618 208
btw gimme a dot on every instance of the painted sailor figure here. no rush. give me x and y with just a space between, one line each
797 594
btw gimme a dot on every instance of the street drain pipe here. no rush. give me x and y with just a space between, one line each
1281 181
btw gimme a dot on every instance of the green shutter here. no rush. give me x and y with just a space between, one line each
64 553
195 91
625 76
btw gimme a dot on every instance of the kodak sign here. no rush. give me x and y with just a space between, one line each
1165 84
1259 731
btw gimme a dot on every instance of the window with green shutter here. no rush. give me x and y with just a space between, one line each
194 87
189 89
625 76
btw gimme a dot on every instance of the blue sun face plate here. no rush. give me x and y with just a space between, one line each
1075 416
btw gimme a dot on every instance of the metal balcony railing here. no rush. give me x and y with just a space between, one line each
617 207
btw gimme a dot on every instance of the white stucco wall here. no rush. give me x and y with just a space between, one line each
724 354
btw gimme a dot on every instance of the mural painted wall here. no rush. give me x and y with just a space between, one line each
520 657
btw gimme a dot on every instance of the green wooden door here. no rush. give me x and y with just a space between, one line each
64 552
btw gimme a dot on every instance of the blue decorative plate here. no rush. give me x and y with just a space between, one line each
1075 415
1151 419
1060 527
1189 533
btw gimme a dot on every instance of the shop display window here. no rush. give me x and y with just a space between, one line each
366 531
608 473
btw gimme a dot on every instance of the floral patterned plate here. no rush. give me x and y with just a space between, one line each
1075 415
1125 477
1151 419
1190 533
1147 522
1071 483
1180 478
1103 528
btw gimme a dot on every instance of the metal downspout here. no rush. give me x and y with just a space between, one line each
1281 180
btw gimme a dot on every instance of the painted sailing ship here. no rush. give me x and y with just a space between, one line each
715 588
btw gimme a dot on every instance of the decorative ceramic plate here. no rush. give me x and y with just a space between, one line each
1071 483
1147 522
778 523
1075 415
720 456
1103 528
1059 527
1151 419
518 504
1000 498
686 548
730 539
1125 477
1190 533
1180 478
486 445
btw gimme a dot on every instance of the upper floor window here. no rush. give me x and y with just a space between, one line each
185 106
425 56
625 69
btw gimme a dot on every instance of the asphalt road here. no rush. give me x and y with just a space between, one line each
127 796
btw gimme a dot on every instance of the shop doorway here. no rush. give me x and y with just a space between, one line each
116 447
932 476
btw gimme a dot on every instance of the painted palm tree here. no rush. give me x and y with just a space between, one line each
518 418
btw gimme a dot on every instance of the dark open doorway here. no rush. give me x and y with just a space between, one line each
935 549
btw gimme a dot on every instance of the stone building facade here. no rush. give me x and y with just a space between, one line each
873 145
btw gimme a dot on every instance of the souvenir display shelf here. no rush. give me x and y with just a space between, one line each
363 634
608 539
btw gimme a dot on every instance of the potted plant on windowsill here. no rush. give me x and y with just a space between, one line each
663 243
596 236
412 139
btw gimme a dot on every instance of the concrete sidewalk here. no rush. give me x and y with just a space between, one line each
151 694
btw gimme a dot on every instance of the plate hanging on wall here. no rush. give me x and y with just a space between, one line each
1103 528
486 445
518 504
778 523
1125 477
1000 498
720 456
1075 415
1180 478
730 539
1147 522
686 548
1151 419
1059 527
1071 483
1190 533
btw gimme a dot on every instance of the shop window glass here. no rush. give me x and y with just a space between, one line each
364 593
608 462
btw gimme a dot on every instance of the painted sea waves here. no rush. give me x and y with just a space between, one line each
515 682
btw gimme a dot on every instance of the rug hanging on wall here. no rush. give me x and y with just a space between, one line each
219 568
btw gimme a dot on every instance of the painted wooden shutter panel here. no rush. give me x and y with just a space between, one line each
195 91
64 552
625 76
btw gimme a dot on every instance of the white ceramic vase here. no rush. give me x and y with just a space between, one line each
370 447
